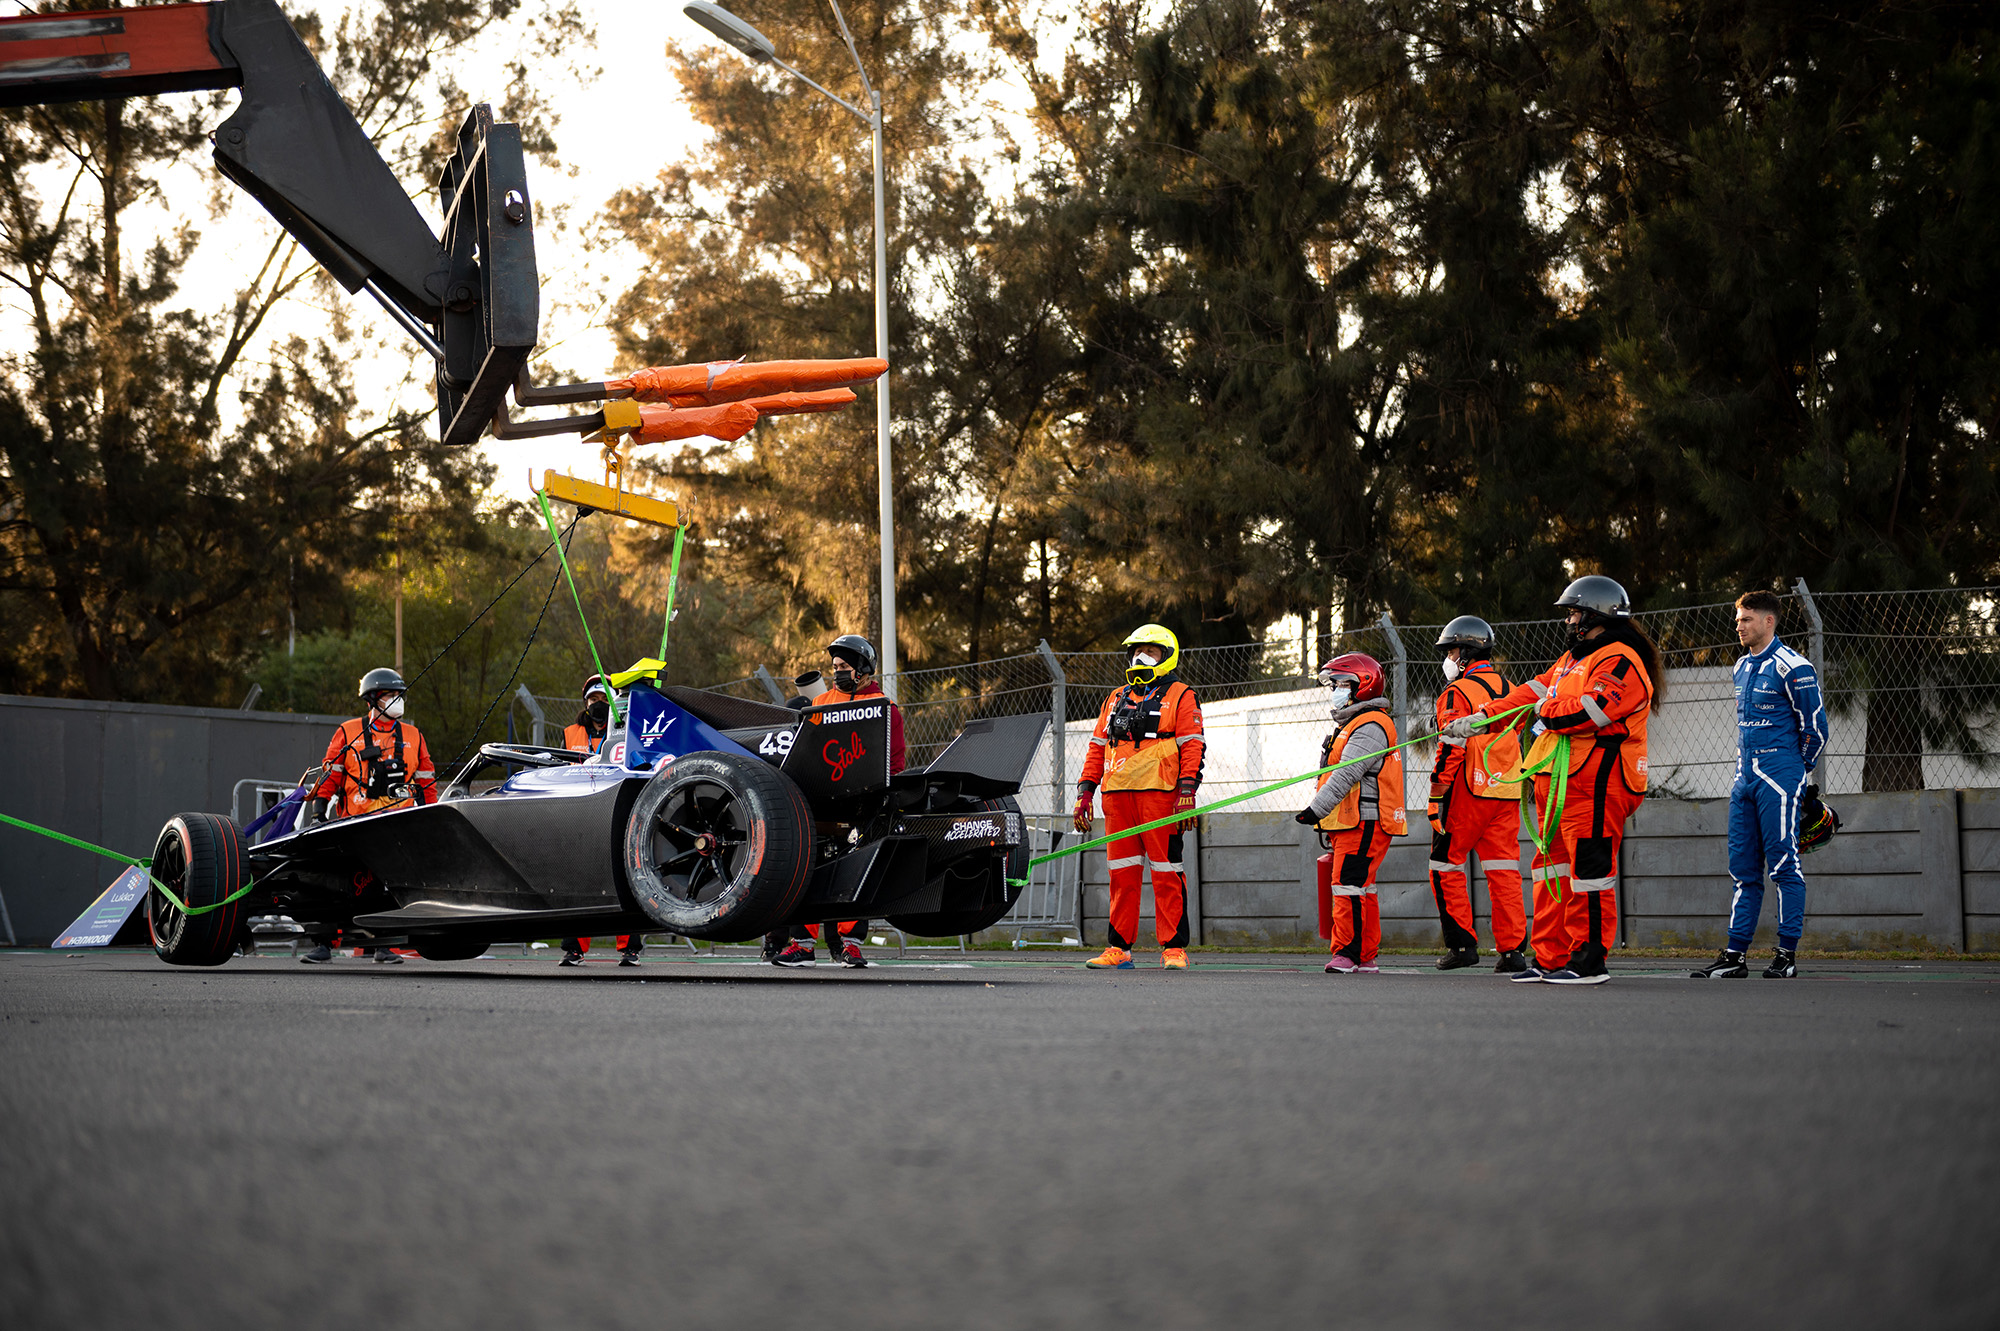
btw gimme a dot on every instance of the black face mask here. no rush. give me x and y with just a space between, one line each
844 680
1578 644
599 711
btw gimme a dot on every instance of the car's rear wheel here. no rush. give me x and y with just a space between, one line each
200 856
998 899
719 846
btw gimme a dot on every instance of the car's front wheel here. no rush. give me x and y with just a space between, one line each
200 857
719 846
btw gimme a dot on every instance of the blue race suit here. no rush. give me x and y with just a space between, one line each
1781 728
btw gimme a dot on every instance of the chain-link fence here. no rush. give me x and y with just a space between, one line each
1912 684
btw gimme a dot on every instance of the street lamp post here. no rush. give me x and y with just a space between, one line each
735 33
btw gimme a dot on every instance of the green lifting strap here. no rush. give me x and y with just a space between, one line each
147 865
1106 840
673 584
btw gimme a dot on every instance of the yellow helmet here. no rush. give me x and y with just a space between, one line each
1153 635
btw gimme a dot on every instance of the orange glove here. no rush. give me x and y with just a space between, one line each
1184 805
1080 817
1436 814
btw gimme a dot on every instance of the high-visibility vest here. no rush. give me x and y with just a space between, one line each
579 737
1567 681
1490 755
402 743
1149 760
1388 781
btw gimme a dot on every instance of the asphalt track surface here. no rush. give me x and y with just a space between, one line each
501 1143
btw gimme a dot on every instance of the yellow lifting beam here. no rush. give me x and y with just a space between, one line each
604 499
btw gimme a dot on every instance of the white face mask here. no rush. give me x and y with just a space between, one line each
1452 669
1145 656
1342 695
393 709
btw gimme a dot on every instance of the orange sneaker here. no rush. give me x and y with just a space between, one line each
1111 959
1173 958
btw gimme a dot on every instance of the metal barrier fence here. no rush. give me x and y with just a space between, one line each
1912 683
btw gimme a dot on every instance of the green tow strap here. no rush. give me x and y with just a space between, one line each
147 865
563 556
673 582
1542 828
1196 812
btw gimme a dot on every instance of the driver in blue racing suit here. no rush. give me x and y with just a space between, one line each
1781 729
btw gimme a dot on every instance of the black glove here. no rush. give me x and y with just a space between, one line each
1305 817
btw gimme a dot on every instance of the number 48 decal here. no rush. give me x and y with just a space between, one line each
777 743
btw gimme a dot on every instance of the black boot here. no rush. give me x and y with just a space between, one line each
1727 965
1511 962
1784 966
1458 959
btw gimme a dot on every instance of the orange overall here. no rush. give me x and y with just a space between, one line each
1358 843
1159 746
1600 701
1481 814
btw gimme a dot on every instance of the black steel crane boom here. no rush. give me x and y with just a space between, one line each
471 299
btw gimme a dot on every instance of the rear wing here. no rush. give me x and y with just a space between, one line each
991 755
841 752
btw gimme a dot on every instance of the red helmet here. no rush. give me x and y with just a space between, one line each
1362 669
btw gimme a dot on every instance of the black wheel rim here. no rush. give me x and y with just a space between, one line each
169 867
697 839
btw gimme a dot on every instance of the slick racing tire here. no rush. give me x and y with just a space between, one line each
719 846
200 856
955 923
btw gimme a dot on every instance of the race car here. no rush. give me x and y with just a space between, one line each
713 818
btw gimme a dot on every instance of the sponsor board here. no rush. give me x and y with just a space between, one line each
100 924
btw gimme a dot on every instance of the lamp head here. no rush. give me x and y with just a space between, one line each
731 30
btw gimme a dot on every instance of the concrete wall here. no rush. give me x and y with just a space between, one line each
1979 867
112 774
1918 868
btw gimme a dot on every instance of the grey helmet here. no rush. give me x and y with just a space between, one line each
1468 631
1597 594
854 649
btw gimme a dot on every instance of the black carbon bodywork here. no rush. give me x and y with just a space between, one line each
540 855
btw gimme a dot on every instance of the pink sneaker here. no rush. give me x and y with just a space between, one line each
1368 968
1338 965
